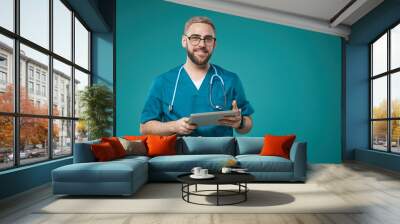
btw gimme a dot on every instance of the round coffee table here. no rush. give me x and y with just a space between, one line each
238 179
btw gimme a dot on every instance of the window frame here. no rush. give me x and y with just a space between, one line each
388 74
3 77
3 69
16 114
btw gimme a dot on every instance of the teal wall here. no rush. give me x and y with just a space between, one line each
102 58
292 77
357 98
103 61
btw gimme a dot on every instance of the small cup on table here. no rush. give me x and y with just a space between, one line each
226 170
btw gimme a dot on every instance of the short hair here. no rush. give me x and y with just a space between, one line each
198 19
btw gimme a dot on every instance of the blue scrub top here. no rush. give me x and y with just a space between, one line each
189 99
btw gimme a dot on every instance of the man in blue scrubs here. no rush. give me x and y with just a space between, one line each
186 89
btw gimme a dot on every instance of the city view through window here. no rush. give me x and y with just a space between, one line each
385 91
39 114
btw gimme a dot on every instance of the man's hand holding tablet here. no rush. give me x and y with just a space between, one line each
235 120
231 118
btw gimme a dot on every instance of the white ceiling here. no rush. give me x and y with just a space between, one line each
319 9
313 15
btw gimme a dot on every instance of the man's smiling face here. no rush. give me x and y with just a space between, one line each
199 53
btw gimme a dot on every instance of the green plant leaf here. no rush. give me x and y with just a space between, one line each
96 102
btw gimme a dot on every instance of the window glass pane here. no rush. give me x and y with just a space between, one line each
62 29
34 79
33 140
62 138
395 136
81 81
6 142
81 131
379 55
7 14
62 89
395 47
81 45
6 74
395 94
379 100
379 135
35 21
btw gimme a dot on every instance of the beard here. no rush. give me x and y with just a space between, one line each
196 60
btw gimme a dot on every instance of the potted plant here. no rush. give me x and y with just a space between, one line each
96 102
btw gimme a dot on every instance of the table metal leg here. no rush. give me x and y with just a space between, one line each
217 194
182 189
188 190
245 193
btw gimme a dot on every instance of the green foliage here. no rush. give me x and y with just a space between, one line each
97 104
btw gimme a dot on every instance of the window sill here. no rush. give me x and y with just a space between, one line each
379 151
25 167
381 159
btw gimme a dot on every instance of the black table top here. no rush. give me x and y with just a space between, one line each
220 178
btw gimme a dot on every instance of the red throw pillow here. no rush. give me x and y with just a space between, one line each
103 151
116 145
161 145
277 145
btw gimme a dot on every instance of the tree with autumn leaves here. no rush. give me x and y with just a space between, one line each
33 131
380 127
6 122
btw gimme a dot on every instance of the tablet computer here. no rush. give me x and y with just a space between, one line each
210 118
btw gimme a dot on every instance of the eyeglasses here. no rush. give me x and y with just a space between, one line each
195 40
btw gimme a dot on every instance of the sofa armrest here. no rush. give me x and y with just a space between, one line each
298 155
83 152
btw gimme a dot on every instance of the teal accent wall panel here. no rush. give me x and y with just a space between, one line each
292 77
102 58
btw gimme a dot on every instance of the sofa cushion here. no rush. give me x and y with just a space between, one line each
103 151
143 138
116 145
133 138
111 171
249 145
207 145
257 163
135 147
185 163
131 158
277 145
161 145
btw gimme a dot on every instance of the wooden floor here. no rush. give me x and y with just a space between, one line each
377 188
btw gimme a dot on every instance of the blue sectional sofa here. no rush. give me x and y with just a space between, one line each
125 176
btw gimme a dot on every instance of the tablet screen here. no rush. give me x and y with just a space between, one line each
210 118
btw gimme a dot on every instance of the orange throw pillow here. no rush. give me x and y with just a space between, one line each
116 145
277 145
103 151
161 145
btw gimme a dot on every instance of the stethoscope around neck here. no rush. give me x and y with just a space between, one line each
215 75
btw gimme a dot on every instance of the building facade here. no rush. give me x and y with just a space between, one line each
34 81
